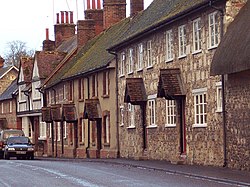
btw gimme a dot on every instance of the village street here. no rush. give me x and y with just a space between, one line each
93 173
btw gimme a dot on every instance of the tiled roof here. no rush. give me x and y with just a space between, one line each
233 53
47 61
170 84
7 94
92 109
135 92
157 14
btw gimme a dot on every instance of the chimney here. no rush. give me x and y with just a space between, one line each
85 31
114 11
136 6
1 62
48 45
96 14
64 30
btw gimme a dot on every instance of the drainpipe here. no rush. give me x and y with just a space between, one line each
223 88
117 111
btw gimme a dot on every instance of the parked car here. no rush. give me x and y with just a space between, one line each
5 134
19 147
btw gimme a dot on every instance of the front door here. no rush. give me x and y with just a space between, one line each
99 137
181 111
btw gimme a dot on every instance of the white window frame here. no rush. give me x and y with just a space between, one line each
197 35
169 45
152 111
122 64
121 115
10 109
170 113
219 97
2 108
107 129
213 30
50 130
42 130
64 130
58 125
182 41
149 54
200 107
35 92
131 116
130 61
140 57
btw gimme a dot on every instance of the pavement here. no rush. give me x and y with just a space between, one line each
221 174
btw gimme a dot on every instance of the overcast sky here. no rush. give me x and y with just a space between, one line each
26 20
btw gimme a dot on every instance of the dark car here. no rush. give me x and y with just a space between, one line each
5 134
19 147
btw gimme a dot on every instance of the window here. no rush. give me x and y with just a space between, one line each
106 129
105 83
82 133
42 130
2 108
197 35
71 90
169 45
10 104
130 61
81 89
140 57
149 54
35 92
152 110
170 113
213 30
219 96
65 129
58 124
182 41
50 130
121 115
64 92
94 86
131 115
200 107
122 65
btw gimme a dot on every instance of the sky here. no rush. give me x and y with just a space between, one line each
27 20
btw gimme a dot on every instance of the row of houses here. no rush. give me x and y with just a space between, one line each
155 85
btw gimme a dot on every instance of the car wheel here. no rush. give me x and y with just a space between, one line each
6 156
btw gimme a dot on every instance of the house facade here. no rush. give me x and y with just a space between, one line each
86 87
234 66
170 108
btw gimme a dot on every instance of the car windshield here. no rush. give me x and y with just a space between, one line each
18 140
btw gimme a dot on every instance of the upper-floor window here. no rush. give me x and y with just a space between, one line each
131 116
35 92
182 40
130 61
2 108
81 89
170 113
213 20
140 57
94 86
10 106
149 54
197 35
219 96
64 92
71 90
200 107
169 45
106 83
122 64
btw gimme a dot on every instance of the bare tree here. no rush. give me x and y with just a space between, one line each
15 50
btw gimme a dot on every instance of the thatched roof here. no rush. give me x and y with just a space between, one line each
233 53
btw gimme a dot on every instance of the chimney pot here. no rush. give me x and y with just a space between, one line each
62 16
67 17
98 4
88 4
93 4
71 17
47 34
57 18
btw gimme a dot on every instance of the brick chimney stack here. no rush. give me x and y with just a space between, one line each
114 11
1 62
64 29
136 6
48 45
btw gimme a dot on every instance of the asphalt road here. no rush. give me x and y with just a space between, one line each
47 173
